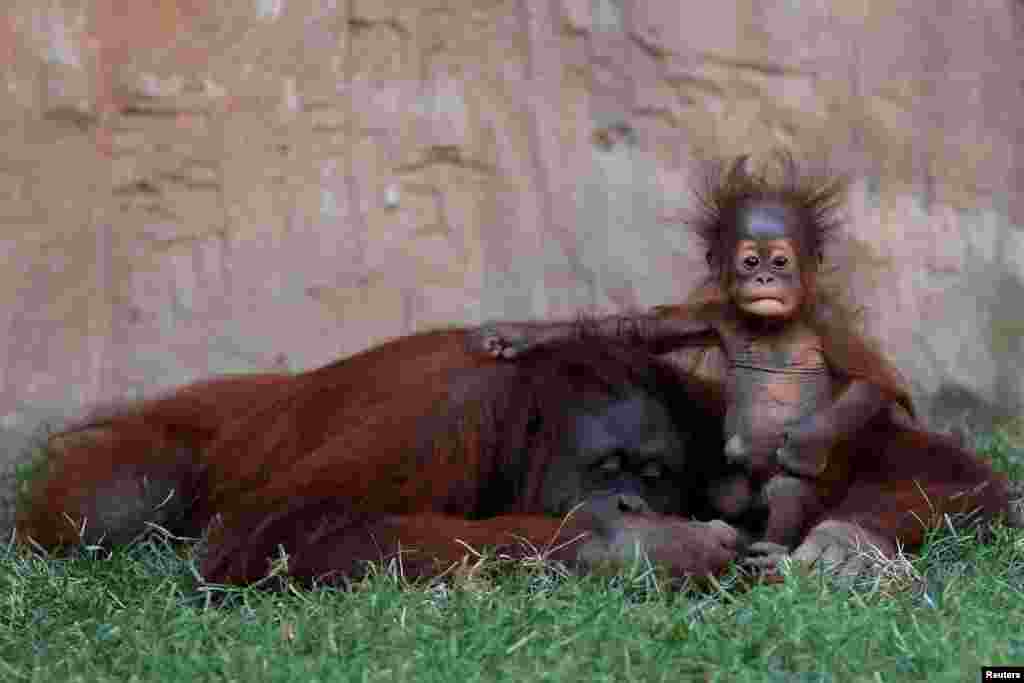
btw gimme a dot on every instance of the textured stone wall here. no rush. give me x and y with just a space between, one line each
190 187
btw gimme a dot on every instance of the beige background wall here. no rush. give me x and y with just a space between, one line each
190 187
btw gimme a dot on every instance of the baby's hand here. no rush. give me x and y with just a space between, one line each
755 457
805 449
504 341
737 450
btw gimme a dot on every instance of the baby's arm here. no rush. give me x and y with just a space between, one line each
817 433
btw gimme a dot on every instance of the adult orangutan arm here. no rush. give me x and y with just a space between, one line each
658 332
339 544
808 438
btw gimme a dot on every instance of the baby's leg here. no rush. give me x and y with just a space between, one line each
794 505
734 499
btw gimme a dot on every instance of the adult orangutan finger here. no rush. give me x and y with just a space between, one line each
807 553
765 555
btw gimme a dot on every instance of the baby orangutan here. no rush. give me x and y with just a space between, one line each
800 380
778 381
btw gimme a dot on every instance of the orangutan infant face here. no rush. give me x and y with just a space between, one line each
766 271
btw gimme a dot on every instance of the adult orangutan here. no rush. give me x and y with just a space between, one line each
813 410
417 447
128 465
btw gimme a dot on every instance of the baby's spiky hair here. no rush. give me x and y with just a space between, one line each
728 187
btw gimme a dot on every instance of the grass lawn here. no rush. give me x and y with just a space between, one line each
140 614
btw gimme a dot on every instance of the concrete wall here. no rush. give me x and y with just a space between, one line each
192 187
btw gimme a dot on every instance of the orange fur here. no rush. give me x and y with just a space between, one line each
414 446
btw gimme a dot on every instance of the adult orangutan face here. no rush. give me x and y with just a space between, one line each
626 455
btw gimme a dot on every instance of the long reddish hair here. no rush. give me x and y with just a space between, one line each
816 196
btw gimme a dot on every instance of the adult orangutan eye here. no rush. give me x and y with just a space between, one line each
610 465
652 470
751 262
780 261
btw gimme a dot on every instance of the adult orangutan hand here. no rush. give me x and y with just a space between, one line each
683 547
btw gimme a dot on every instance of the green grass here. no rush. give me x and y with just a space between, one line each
140 613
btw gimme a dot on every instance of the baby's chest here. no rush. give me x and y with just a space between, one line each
779 382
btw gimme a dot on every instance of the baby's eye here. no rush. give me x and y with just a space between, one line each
780 261
751 262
